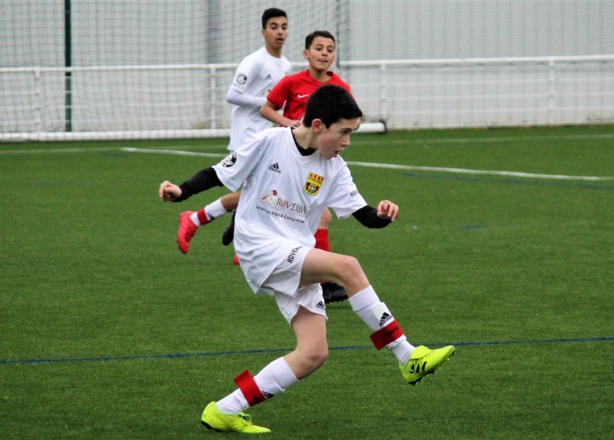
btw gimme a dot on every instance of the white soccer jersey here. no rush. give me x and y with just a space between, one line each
282 198
255 76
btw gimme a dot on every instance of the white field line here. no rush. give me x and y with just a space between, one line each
58 150
356 164
127 149
476 172
173 152
579 137
404 167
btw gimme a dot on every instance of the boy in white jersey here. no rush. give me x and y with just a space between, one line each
289 175
253 79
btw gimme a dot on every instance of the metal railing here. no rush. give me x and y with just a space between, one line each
109 102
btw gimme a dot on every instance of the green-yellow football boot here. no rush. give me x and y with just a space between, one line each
424 361
214 419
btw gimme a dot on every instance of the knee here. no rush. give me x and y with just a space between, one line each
351 275
350 267
315 358
230 201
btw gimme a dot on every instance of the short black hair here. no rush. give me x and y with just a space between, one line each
330 103
270 13
309 38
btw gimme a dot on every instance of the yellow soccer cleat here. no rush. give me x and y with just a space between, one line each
425 361
214 419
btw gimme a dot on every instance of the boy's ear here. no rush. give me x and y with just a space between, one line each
306 54
317 126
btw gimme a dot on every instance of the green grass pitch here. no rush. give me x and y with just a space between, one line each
503 247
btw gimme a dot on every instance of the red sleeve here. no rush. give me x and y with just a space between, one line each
279 94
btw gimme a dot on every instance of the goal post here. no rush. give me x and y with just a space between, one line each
131 69
86 69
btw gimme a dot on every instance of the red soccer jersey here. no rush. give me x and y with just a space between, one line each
294 90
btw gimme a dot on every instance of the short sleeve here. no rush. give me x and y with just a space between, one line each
279 94
345 198
246 73
234 169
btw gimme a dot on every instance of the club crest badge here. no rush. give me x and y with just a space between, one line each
313 184
229 160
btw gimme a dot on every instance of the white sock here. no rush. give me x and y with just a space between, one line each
275 378
367 305
194 218
211 212
215 210
233 403
272 380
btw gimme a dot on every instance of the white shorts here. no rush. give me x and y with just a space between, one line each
276 270
309 297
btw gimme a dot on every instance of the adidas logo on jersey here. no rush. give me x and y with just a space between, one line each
384 319
275 168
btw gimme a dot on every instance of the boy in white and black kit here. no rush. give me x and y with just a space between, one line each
254 78
288 176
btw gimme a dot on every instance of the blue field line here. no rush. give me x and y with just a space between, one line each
287 350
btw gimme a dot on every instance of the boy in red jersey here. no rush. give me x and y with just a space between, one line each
292 93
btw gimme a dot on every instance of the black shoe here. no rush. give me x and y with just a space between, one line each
229 232
333 293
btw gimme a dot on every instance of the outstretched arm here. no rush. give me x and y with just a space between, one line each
201 181
387 210
168 191
381 217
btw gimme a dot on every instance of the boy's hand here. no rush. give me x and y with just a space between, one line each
168 191
291 123
387 210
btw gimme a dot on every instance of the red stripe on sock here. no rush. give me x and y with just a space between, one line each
249 388
386 335
322 242
202 216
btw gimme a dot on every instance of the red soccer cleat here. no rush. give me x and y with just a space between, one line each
187 229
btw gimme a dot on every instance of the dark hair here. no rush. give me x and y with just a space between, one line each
270 13
330 103
309 39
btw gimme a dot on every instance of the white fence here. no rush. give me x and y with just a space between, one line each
189 100
486 92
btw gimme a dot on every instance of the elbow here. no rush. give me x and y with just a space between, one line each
233 97
379 223
266 108
376 223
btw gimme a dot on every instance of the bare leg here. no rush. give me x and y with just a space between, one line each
230 201
320 266
311 346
